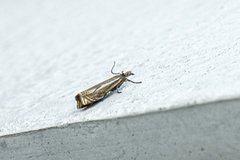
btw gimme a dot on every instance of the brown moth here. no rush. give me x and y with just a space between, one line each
100 90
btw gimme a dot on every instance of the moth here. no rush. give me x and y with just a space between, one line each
99 91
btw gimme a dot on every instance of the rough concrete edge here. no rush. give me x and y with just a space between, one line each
204 131
123 117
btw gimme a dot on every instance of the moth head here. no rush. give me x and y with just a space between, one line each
128 73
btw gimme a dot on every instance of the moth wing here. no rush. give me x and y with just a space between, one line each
98 91
92 94
90 91
95 96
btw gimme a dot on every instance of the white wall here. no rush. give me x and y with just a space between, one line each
185 52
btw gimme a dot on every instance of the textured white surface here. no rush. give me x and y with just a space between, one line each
183 51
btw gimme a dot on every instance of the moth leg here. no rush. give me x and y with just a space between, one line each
105 95
133 81
118 90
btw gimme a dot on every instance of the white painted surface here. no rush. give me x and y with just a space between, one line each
183 51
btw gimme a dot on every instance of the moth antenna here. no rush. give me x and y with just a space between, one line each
112 69
133 81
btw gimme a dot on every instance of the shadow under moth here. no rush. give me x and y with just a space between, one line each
99 91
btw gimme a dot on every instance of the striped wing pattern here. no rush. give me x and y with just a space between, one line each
98 91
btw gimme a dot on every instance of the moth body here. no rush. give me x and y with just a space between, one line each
100 90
